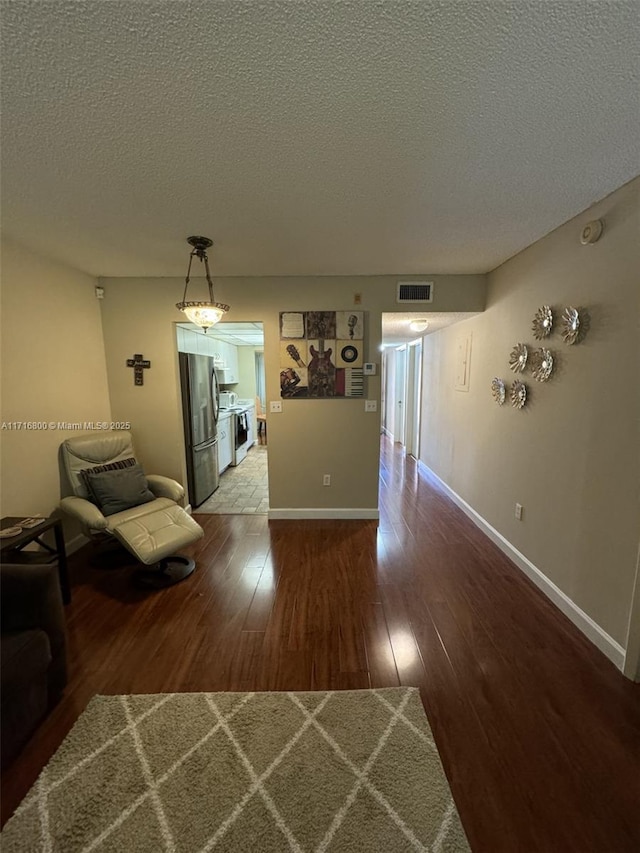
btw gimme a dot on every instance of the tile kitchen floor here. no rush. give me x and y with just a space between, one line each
243 489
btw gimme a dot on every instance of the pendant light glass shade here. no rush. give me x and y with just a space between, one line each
203 314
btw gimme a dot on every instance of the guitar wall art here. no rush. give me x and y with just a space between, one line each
321 354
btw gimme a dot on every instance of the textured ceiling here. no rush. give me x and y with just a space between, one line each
313 137
395 327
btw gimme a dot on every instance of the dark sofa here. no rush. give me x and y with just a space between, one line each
33 662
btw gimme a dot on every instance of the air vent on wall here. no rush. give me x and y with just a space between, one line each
415 291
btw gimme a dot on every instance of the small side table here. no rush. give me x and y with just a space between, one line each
11 548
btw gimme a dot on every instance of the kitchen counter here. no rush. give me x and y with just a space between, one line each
241 406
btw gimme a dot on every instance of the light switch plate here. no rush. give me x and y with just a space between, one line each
369 368
275 405
371 405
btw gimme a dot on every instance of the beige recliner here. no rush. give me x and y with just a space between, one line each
152 531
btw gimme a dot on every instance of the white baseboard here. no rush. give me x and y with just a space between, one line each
275 514
580 619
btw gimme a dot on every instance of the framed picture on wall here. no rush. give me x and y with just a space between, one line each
321 354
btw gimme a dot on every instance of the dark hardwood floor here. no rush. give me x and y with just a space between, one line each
539 733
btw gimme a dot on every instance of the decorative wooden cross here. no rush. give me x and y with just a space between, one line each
138 363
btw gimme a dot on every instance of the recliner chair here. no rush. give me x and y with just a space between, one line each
152 526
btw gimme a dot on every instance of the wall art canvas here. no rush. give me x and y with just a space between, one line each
349 325
321 354
292 324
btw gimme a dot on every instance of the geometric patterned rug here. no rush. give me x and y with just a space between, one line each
348 770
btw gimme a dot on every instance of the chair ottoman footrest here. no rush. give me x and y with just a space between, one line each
158 534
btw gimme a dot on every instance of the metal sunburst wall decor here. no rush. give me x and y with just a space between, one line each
541 364
570 327
518 358
498 390
518 394
542 323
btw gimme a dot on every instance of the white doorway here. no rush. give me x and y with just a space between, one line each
402 380
400 399
402 356
235 356
402 351
394 374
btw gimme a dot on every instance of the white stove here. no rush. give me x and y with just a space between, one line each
242 429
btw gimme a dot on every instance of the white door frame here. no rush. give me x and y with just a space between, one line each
400 398
383 392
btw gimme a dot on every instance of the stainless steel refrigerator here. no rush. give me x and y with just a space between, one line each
200 413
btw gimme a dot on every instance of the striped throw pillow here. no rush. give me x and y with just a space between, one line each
85 474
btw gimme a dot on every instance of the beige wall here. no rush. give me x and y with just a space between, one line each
53 369
571 457
246 387
310 437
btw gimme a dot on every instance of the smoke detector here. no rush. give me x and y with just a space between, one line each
591 232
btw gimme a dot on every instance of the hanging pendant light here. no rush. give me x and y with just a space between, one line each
203 314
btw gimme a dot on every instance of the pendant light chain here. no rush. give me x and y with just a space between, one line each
203 314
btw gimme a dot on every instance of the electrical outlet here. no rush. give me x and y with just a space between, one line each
357 299
371 405
519 512
275 405
326 479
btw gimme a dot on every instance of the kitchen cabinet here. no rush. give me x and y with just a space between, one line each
187 340
232 363
218 352
225 442
204 345
226 357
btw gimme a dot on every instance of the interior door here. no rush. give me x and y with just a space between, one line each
400 388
